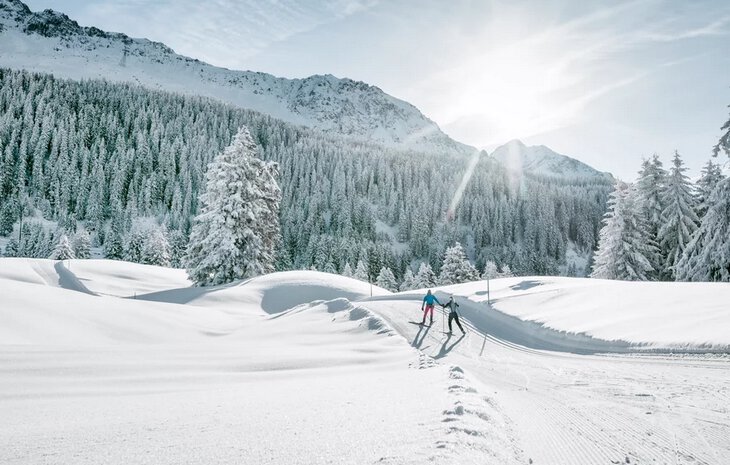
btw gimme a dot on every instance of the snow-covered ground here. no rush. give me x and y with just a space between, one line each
112 362
656 315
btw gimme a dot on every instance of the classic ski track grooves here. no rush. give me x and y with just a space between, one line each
567 414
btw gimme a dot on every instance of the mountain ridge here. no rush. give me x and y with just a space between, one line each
52 42
541 160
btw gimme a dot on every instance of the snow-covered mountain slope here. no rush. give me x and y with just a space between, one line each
51 42
519 158
237 379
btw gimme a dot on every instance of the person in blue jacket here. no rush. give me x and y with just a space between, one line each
428 302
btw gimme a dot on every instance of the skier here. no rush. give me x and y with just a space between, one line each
428 302
452 313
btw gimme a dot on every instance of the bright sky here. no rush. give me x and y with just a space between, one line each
607 82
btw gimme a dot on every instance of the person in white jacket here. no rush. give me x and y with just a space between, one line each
453 315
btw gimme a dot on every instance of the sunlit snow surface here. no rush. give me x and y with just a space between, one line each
113 362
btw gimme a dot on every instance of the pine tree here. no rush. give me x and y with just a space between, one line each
82 244
386 279
134 250
490 270
8 217
232 236
347 270
648 199
456 267
409 280
11 248
156 249
624 242
707 256
63 250
710 177
361 271
114 246
425 277
679 220
506 272
178 245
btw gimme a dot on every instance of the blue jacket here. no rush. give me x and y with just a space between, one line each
430 299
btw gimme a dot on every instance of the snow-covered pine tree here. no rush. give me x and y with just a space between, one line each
409 280
361 271
329 267
456 267
82 244
178 244
134 250
347 270
386 279
648 199
506 272
710 177
63 250
114 246
425 277
624 242
490 270
679 218
707 256
156 249
11 248
8 217
231 236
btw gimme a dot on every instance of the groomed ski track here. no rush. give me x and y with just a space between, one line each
592 402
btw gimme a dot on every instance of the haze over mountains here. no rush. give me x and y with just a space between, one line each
51 42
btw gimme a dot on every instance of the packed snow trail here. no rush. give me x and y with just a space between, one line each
585 409
506 329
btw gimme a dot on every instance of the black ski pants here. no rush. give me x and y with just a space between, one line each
455 316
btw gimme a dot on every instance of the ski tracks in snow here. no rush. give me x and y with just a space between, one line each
572 409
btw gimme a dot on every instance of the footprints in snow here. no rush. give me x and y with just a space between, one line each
424 362
475 423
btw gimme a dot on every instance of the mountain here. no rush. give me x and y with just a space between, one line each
51 42
540 160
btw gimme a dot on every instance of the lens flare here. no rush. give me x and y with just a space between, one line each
464 181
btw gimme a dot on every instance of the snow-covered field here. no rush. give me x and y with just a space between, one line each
113 362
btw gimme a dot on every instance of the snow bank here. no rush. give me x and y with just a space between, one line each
273 293
47 315
125 279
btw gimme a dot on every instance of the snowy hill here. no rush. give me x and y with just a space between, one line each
540 160
308 367
51 42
